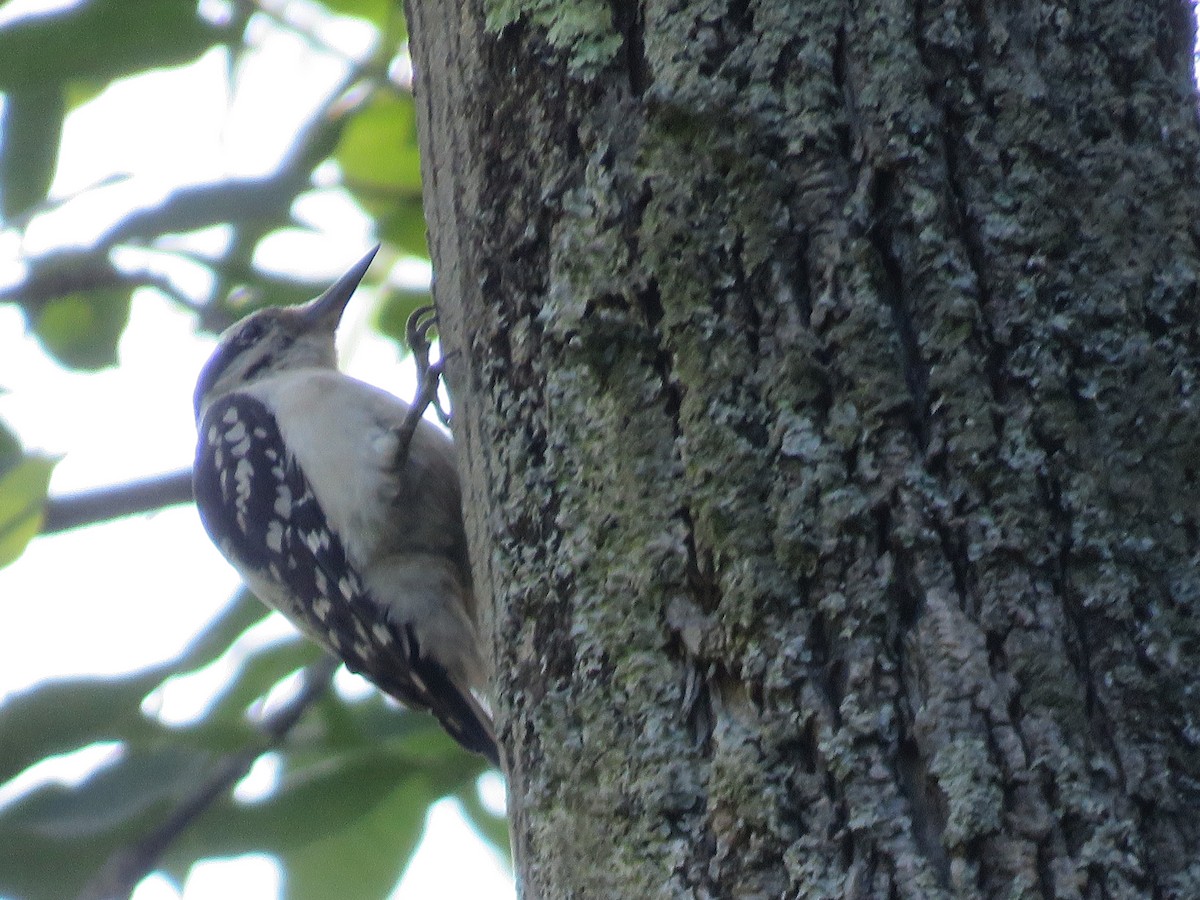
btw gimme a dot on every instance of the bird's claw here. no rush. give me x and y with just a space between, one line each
416 332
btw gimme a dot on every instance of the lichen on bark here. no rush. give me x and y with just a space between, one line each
827 380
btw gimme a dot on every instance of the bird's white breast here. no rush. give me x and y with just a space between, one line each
342 434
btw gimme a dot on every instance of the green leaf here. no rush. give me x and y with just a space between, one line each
391 316
368 858
32 866
376 722
378 154
22 500
80 91
81 330
52 839
343 788
10 449
403 225
258 674
374 11
30 131
61 716
118 796
102 40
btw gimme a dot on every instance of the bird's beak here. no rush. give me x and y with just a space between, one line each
327 309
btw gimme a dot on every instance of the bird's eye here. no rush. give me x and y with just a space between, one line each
250 333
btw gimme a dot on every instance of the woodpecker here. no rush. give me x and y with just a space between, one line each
338 513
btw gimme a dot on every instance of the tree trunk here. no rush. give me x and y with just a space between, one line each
825 379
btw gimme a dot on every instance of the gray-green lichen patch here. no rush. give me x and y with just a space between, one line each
583 30
971 787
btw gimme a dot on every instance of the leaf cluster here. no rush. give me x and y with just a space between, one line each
356 778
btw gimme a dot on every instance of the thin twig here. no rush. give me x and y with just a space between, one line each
129 865
102 504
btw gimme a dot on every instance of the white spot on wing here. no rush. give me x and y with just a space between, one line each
275 536
283 501
243 474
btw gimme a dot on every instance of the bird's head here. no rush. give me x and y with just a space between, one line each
278 339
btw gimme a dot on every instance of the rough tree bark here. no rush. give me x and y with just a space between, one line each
825 376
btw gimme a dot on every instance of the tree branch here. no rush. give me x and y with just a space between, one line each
103 504
129 865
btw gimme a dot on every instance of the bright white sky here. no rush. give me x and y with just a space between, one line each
121 603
